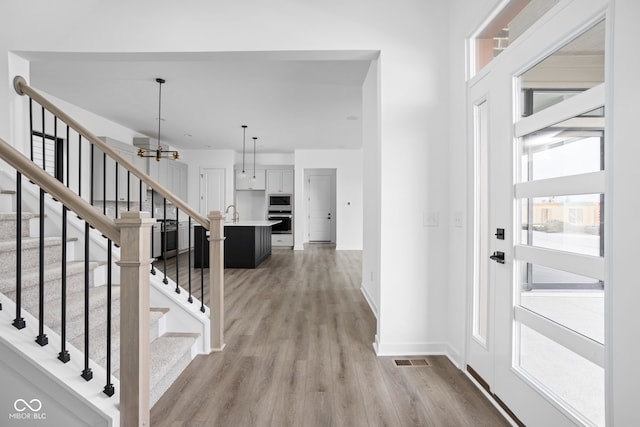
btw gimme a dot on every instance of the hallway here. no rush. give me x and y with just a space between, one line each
299 353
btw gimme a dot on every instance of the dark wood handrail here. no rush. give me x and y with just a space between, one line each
22 88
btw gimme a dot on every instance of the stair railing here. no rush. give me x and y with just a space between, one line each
213 224
129 230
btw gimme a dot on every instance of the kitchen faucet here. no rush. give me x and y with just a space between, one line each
236 215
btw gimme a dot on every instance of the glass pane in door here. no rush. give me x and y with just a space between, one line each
564 223
481 279
565 375
571 300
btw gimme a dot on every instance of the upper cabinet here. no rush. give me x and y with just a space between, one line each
110 183
280 181
247 182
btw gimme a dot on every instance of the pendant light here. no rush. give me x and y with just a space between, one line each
255 138
244 135
159 152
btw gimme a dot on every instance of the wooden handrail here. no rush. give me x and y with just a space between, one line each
59 191
22 88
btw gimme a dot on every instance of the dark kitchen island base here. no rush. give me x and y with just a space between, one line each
246 246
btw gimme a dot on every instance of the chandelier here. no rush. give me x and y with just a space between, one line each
159 153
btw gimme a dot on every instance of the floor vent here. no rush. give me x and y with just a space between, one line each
411 363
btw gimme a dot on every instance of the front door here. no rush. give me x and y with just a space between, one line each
536 332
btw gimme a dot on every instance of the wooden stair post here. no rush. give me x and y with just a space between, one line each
216 279
135 261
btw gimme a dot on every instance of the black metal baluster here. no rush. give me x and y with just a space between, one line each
87 374
41 339
64 356
19 322
104 183
204 239
140 202
129 190
177 290
108 388
190 299
31 124
80 168
116 195
164 241
153 267
91 183
68 155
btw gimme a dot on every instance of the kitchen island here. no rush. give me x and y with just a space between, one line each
246 244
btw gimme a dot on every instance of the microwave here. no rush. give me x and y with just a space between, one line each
280 202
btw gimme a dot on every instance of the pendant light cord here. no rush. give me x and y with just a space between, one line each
160 81
254 156
244 136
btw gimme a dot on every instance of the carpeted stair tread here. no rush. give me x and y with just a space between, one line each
98 339
30 280
170 355
30 252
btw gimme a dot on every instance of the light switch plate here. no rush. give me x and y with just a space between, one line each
431 219
457 219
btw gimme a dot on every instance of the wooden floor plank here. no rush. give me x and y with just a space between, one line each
299 353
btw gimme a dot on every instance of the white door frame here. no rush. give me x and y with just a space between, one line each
327 172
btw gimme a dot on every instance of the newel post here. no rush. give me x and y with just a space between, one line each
135 260
216 279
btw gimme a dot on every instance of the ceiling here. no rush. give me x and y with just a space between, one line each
289 100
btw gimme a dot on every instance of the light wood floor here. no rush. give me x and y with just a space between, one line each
299 353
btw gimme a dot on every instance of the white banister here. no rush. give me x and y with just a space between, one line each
216 279
135 259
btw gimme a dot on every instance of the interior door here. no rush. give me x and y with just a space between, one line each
212 191
320 209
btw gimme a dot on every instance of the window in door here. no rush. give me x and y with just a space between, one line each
559 253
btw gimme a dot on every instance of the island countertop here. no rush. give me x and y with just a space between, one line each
251 223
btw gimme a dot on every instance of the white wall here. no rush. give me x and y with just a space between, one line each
414 96
371 187
348 165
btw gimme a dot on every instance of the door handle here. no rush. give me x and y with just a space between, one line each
498 257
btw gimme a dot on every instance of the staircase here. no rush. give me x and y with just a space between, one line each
170 352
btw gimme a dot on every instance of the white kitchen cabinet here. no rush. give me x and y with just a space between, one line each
104 174
173 175
248 183
280 181
282 240
183 236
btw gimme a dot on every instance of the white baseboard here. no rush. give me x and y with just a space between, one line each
418 349
369 300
